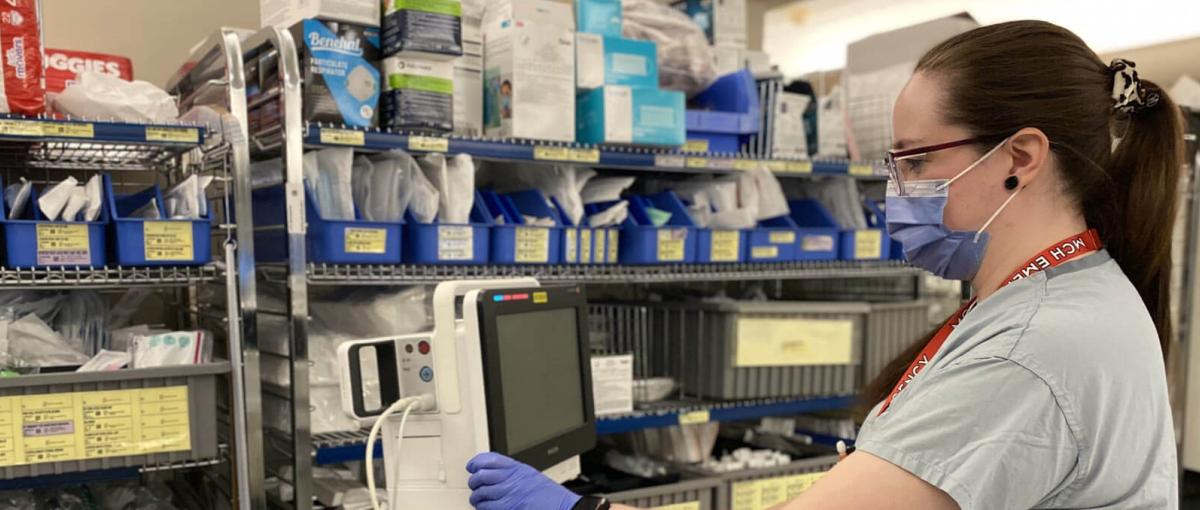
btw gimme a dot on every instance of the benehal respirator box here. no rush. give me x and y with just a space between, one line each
339 63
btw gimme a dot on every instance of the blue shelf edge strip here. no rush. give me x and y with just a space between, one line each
96 475
345 453
735 413
16 127
376 140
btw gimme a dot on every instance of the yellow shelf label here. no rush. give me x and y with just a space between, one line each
172 134
671 244
69 129
798 167
552 153
62 244
726 246
793 342
613 235
168 240
776 166
16 127
764 494
532 245
696 146
745 165
690 505
366 240
570 245
93 424
585 245
697 162
861 169
585 155
343 137
817 243
868 244
669 161
694 417
764 252
782 237
427 144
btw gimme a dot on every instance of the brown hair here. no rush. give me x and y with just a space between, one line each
1004 77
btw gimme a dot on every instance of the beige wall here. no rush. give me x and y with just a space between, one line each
155 34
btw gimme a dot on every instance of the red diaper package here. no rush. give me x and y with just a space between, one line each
22 90
63 65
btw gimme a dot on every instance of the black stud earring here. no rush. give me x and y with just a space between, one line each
1011 182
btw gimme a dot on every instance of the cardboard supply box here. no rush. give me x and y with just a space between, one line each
427 28
541 12
616 114
602 60
724 21
529 79
418 94
285 13
339 66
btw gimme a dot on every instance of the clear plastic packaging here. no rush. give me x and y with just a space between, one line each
686 62
100 96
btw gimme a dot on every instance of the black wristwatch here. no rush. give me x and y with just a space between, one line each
591 503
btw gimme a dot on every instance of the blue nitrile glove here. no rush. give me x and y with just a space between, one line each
500 483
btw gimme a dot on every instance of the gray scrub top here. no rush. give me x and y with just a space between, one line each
1051 393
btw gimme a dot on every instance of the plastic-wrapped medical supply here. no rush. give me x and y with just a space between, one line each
16 197
188 200
841 197
54 200
685 60
614 215
31 343
95 198
772 203
105 361
328 175
454 180
831 125
173 348
605 189
100 96
75 203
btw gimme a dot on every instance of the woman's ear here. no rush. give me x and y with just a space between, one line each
1030 150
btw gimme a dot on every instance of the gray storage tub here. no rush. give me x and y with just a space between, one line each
742 491
702 493
891 328
706 337
201 384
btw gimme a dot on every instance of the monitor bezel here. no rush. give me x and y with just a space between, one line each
550 452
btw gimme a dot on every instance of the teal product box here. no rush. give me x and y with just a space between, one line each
600 17
616 114
605 60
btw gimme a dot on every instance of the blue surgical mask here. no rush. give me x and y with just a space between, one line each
914 219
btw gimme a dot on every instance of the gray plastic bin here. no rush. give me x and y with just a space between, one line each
739 491
201 383
704 492
891 328
706 337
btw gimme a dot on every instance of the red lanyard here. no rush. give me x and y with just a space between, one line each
1058 253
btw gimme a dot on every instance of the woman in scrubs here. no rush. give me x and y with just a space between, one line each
1048 179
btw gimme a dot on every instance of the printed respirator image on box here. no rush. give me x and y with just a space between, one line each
339 64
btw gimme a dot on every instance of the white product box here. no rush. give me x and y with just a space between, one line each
729 23
612 384
541 12
788 138
285 13
468 95
529 80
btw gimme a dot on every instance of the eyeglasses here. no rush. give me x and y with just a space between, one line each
893 160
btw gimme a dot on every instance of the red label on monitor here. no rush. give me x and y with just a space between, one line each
63 65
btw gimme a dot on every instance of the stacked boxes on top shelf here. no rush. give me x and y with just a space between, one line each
619 100
422 46
529 70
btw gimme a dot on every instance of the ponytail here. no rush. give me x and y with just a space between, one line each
1146 170
1004 77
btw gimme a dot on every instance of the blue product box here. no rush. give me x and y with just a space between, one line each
601 17
623 115
339 66
430 27
606 60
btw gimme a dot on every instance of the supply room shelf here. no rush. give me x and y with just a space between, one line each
101 475
637 158
670 413
338 447
107 277
44 142
327 274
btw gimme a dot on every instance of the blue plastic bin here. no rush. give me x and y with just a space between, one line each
726 113
569 235
449 243
819 235
514 242
328 241
774 240
872 243
640 242
611 242
166 242
30 241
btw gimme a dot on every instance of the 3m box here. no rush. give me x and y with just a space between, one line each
429 28
285 13
723 20
617 114
418 93
603 60
529 79
339 66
